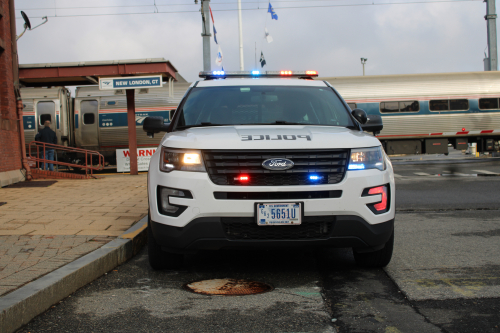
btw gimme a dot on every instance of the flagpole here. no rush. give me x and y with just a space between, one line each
240 23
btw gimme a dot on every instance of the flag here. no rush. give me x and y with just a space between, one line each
268 36
273 14
262 60
215 34
213 25
218 60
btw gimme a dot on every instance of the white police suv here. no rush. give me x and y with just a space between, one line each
268 160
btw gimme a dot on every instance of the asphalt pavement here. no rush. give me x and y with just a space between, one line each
444 276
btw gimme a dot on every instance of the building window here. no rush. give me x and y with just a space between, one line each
403 106
88 118
488 103
449 105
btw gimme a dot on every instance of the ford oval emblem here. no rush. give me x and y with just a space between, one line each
277 164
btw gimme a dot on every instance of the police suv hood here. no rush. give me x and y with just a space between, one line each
268 137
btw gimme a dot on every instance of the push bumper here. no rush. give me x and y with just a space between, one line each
208 233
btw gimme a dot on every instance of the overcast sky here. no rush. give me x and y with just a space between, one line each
396 39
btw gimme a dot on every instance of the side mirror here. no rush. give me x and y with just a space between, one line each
360 115
374 124
154 125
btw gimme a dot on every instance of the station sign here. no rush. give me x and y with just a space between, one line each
131 82
143 158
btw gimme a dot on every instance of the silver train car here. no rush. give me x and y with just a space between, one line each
100 117
54 104
422 113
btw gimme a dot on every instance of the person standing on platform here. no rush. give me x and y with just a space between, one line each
48 136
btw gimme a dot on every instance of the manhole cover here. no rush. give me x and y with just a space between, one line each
227 287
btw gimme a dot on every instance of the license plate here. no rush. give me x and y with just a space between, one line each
279 213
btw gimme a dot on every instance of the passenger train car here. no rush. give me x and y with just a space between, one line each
421 113
54 104
101 116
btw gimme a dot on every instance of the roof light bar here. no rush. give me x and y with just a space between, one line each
248 74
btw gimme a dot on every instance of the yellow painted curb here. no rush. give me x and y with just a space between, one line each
134 233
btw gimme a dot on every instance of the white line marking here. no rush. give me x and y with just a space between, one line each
486 172
422 174
398 176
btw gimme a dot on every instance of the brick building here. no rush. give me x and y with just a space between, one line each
11 165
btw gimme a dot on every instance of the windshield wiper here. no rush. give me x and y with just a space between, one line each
283 122
203 124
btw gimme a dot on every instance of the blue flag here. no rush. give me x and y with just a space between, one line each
273 14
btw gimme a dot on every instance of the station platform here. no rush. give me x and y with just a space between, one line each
48 224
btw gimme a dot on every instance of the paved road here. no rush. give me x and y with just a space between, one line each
444 277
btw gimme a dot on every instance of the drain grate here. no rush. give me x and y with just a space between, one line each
44 183
227 287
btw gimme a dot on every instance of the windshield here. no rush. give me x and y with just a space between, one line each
256 105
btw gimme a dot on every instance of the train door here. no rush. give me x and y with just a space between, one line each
46 110
89 113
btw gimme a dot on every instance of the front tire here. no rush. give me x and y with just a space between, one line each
159 259
376 259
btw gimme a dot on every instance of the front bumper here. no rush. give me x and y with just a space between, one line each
200 225
208 233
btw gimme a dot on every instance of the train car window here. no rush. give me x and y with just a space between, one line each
449 105
389 106
404 106
409 106
488 103
88 118
439 105
44 118
352 105
45 111
459 104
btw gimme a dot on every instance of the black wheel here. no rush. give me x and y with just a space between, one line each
380 258
159 259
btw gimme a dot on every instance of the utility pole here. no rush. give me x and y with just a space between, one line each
491 16
240 24
363 62
205 17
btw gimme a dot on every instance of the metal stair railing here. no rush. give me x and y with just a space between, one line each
90 156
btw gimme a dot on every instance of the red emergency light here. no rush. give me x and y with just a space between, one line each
242 178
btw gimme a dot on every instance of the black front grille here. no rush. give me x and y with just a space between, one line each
277 195
246 228
224 167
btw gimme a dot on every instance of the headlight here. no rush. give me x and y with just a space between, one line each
367 158
179 159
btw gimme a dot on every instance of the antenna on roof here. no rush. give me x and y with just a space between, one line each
27 24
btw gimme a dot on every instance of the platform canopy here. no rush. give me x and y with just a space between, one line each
89 72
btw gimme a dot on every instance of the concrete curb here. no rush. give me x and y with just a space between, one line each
25 303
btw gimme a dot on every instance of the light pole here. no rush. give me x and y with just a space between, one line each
363 62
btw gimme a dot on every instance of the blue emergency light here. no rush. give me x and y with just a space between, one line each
315 177
356 166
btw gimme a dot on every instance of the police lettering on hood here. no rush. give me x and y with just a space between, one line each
261 137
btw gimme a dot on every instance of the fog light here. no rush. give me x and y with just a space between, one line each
164 205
